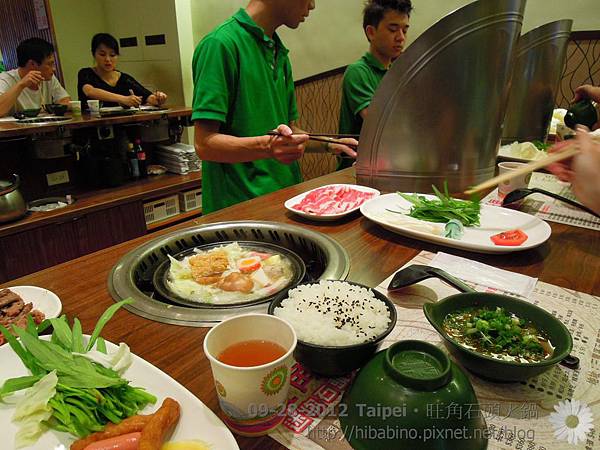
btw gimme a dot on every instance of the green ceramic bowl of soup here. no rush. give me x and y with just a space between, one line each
498 337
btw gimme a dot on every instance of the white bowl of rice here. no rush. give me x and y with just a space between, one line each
340 324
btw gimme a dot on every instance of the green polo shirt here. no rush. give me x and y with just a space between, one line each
243 79
361 80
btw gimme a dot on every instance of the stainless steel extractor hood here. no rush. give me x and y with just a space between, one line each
539 63
437 113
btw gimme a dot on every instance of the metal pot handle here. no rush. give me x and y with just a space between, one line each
13 186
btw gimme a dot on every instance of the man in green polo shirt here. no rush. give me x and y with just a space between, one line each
385 23
243 88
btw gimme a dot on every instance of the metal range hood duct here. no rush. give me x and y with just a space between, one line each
539 63
437 113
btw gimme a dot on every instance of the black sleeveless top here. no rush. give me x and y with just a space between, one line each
124 84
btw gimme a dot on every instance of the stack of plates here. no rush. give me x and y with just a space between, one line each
178 158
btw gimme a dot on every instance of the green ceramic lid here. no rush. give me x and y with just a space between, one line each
418 365
411 379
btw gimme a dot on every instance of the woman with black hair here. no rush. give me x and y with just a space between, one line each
104 82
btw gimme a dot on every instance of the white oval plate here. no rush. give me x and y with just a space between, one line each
493 220
324 217
42 299
197 421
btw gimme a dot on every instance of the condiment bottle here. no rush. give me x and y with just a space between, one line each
134 168
141 158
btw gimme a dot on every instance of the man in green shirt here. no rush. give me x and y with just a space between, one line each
243 88
385 23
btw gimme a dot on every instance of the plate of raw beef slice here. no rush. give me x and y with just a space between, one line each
330 202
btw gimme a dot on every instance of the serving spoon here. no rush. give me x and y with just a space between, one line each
419 272
519 194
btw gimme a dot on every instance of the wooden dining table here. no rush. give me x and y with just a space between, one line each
570 259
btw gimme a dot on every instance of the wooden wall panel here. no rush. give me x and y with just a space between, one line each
29 251
582 65
319 100
37 249
19 23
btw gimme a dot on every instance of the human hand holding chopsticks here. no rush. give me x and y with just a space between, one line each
562 169
157 99
527 168
32 80
285 146
347 146
131 100
337 145
582 171
581 168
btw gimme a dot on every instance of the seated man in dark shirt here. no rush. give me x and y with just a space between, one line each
103 82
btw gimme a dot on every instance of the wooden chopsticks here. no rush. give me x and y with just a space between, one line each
555 157
335 135
332 135
329 138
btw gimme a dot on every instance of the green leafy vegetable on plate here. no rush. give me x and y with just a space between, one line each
542 146
444 208
68 389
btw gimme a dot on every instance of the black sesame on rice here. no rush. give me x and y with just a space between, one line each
334 313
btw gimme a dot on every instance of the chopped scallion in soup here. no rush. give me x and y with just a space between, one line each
498 333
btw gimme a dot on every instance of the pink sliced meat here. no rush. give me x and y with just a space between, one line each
331 200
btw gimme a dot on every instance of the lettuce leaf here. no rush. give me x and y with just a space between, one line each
32 410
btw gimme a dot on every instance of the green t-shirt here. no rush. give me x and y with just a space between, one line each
361 80
243 79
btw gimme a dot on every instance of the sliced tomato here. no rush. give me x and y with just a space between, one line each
510 237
